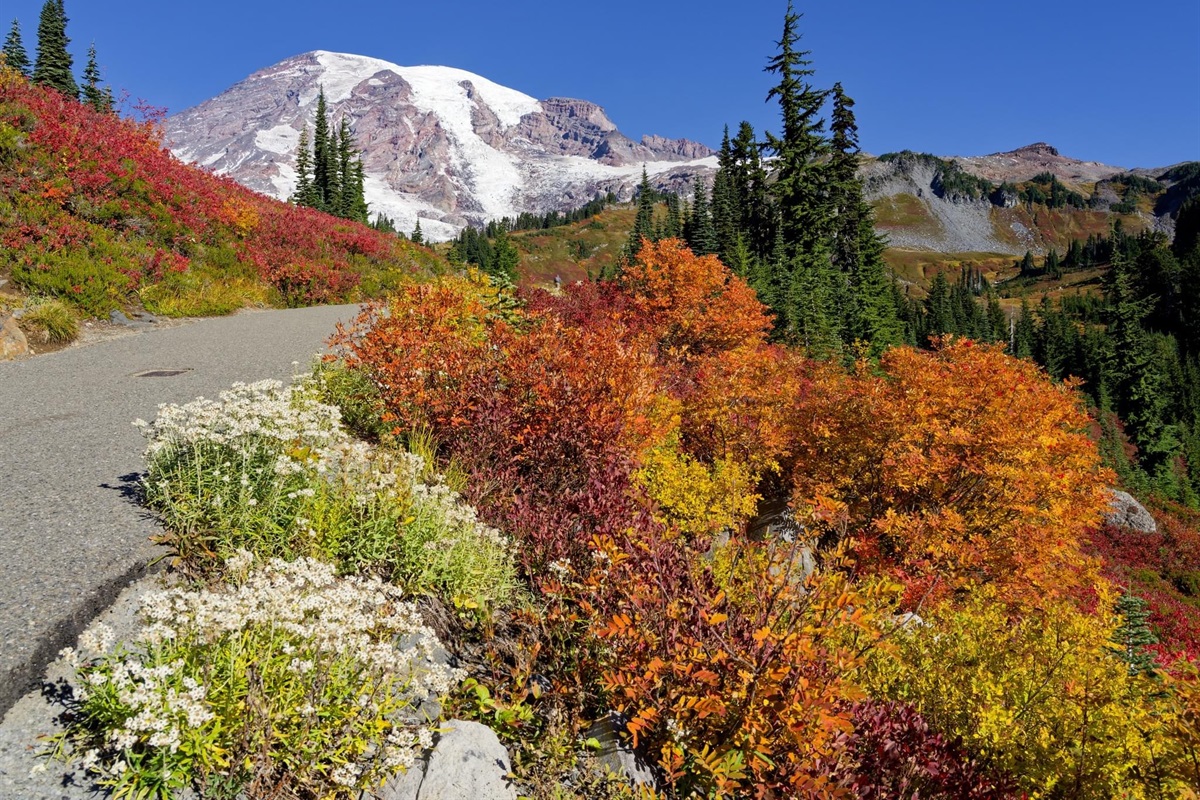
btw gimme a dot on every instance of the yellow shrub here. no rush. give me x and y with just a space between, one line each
1040 696
693 497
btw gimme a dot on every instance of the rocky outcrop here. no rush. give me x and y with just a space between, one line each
614 755
1124 511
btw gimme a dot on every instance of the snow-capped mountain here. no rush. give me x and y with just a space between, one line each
438 143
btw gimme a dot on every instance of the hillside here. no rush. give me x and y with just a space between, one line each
94 211
976 209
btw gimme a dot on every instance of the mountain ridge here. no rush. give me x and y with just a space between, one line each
441 144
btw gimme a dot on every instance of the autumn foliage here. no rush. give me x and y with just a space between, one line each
94 209
624 434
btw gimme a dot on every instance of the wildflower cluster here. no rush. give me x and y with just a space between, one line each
286 675
271 469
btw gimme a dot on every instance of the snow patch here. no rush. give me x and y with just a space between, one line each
282 140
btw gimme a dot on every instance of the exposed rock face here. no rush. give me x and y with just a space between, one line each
616 756
1032 159
1126 512
441 144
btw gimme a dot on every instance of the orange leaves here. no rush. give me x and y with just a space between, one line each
965 464
693 304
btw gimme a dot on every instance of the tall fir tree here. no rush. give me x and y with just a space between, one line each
306 191
417 237
53 64
324 153
643 224
699 232
14 50
799 188
93 95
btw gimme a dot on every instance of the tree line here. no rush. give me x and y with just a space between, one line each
53 65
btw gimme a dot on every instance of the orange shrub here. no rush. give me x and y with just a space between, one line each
959 466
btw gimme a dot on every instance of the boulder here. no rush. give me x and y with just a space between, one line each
616 756
13 343
468 763
1126 512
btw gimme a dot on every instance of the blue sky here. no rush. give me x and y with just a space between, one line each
1117 82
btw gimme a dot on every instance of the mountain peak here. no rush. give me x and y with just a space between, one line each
1036 149
439 144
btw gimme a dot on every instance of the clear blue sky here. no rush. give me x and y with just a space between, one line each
1110 81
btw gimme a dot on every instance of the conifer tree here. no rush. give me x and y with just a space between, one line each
643 224
323 153
800 174
1133 635
699 232
14 50
418 237
93 95
53 64
504 258
725 212
346 185
306 190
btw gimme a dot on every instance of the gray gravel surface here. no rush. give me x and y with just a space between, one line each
71 532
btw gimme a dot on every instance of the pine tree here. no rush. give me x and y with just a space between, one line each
1133 636
306 190
643 224
418 237
725 211
323 154
53 64
93 95
14 50
346 185
800 175
699 232
505 257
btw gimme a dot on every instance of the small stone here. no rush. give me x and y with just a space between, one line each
615 754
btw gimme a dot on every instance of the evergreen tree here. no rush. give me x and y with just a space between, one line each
93 95
346 185
53 64
1024 333
643 224
1133 635
14 50
800 174
306 191
418 237
725 211
699 232
504 257
324 154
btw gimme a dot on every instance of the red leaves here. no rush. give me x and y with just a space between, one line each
80 172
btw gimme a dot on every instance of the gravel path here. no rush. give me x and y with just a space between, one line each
71 534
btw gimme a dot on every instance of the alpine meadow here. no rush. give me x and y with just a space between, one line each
639 470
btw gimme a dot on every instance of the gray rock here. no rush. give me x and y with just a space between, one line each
1126 512
13 343
401 786
468 763
615 754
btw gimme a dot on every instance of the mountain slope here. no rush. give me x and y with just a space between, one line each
438 143
94 210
